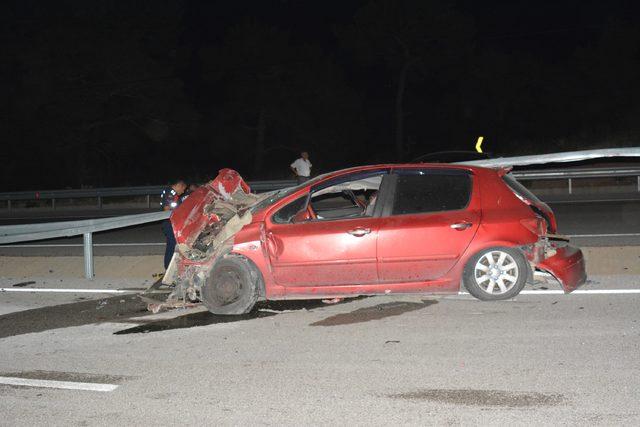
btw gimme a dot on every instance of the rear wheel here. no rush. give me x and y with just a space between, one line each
233 286
496 274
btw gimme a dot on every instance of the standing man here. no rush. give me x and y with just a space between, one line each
169 200
302 167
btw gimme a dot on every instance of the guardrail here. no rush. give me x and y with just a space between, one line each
153 192
570 175
150 191
86 228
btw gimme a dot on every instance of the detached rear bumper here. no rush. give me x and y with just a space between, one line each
568 266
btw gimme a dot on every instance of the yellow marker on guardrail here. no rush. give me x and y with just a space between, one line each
479 144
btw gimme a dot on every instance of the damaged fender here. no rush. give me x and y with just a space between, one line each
568 266
553 254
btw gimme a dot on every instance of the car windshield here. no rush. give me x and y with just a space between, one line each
274 196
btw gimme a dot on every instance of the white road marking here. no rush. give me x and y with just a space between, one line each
79 245
69 291
558 202
524 292
66 385
62 218
579 291
606 235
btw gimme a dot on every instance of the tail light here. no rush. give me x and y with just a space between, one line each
536 225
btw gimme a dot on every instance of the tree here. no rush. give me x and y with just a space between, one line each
279 97
407 35
98 89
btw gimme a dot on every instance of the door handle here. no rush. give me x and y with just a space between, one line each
359 232
461 226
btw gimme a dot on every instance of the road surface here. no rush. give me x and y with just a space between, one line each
397 360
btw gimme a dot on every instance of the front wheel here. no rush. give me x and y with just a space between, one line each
232 287
496 274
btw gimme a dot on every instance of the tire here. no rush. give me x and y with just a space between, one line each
497 273
232 287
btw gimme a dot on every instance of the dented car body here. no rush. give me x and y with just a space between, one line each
384 229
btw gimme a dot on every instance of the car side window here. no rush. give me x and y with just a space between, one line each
431 191
352 196
286 213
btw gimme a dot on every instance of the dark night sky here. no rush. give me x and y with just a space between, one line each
129 93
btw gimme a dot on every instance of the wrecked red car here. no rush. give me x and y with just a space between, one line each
385 229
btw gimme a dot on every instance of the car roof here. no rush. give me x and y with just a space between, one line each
405 165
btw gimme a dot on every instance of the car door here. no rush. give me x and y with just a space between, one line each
323 252
428 221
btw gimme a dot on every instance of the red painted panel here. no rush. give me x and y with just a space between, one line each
415 248
568 266
316 253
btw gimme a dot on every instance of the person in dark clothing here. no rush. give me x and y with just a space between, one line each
169 200
192 187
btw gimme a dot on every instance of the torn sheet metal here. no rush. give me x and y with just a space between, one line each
541 159
205 225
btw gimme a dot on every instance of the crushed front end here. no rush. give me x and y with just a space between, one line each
204 226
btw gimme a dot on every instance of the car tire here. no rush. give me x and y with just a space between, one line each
497 273
232 287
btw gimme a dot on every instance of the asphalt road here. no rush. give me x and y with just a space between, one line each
396 360
590 224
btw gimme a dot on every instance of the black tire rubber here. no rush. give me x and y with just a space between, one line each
470 284
232 287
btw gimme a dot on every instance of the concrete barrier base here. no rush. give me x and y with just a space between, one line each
112 267
612 260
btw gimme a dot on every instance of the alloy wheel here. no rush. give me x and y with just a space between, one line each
496 272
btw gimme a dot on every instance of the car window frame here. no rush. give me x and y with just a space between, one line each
353 176
387 209
384 172
306 204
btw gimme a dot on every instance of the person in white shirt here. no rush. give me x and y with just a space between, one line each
302 167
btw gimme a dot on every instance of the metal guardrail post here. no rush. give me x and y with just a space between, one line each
53 204
9 201
149 197
570 187
99 202
87 240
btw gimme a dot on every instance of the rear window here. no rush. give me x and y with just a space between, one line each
431 191
520 189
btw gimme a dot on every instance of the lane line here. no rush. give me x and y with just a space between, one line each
69 291
79 245
579 291
64 217
606 235
65 385
561 202
524 292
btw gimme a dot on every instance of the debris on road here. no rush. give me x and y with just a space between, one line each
23 284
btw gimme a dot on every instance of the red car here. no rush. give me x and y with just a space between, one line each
385 229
